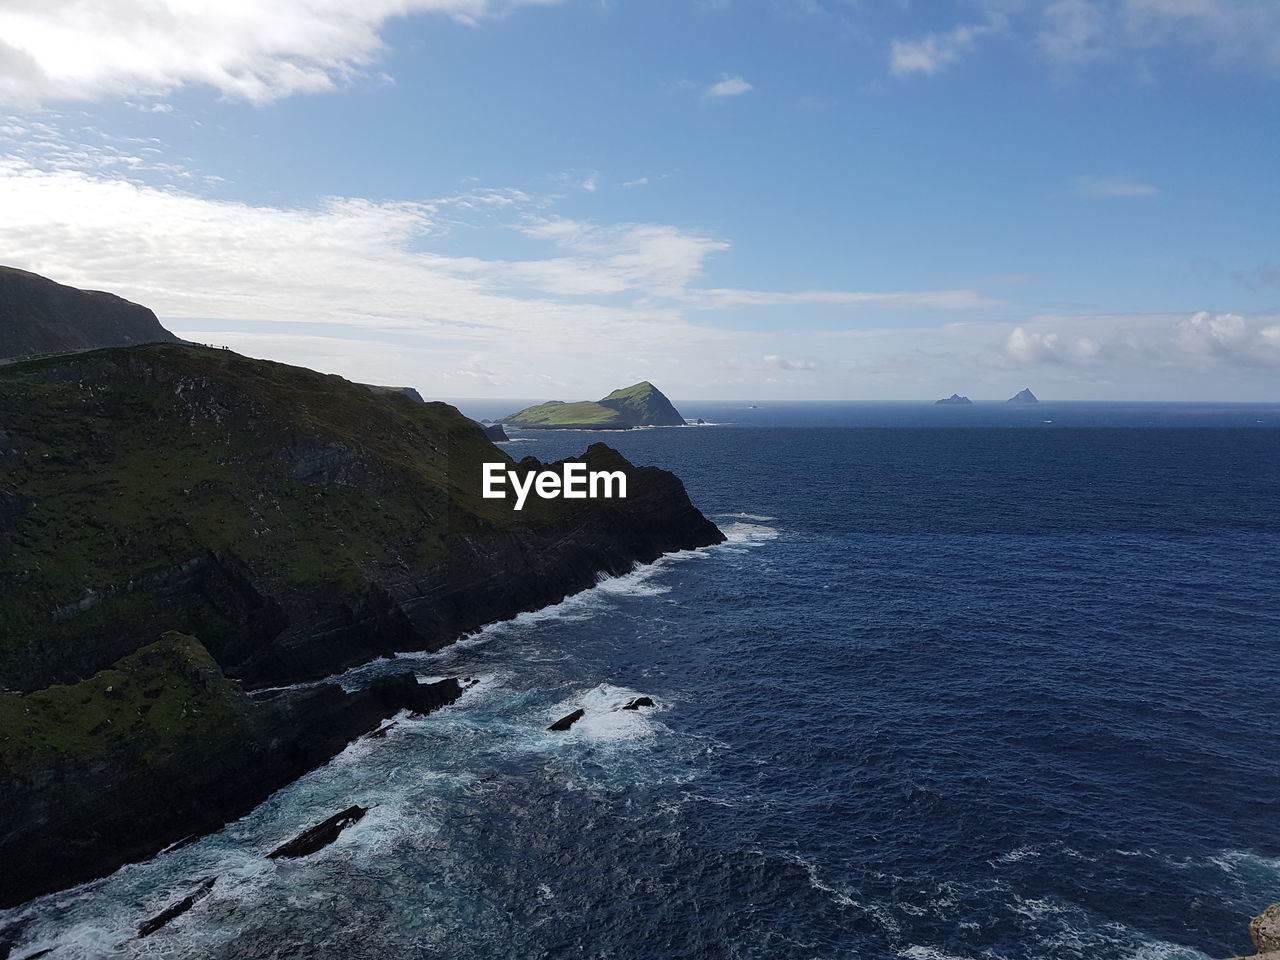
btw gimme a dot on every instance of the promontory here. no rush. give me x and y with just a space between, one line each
182 527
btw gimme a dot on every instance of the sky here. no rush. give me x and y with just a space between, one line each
735 199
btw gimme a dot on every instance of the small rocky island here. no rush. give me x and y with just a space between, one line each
1024 396
639 405
954 400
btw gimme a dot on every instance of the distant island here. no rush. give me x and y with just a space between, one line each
640 405
1024 396
953 400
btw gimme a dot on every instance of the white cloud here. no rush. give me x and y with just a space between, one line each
931 54
1030 347
70 49
718 299
1143 342
1233 33
728 86
1093 186
1073 32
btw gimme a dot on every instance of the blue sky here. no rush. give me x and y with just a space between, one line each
796 199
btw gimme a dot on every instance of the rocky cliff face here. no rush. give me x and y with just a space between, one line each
159 747
298 524
39 316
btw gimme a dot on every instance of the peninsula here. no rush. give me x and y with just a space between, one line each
181 525
639 405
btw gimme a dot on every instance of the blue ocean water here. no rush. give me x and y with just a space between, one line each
947 692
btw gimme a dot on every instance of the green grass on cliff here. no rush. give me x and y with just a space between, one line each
118 464
167 692
556 413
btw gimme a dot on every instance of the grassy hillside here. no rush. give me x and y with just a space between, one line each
555 413
121 465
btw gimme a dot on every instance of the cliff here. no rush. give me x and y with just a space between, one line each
39 316
298 524
159 747
640 405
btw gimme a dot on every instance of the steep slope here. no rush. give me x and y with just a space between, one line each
1023 396
39 316
639 405
643 404
296 522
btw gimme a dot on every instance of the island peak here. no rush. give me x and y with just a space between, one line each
1024 396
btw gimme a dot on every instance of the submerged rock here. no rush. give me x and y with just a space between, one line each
564 723
176 910
319 836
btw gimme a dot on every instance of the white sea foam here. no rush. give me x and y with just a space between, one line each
604 719
918 952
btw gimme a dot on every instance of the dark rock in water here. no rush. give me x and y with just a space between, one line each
175 910
700 420
381 732
432 696
1023 396
955 399
564 723
495 432
319 836
39 953
638 702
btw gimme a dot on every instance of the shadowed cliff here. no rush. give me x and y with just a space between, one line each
39 316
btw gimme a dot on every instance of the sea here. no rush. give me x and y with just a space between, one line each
963 682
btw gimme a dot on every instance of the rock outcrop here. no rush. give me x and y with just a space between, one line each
319 836
567 721
157 748
954 400
40 316
495 432
1264 931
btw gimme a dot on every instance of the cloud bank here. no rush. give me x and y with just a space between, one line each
258 52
